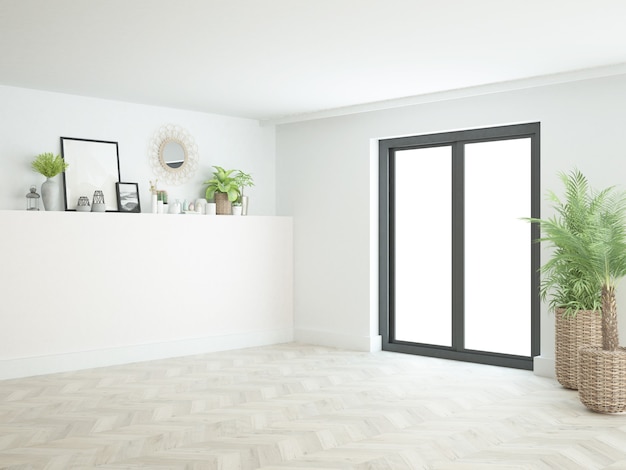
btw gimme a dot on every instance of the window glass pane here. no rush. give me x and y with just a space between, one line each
423 199
498 288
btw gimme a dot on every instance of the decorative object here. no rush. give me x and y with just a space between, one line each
574 293
211 208
201 205
223 205
572 332
83 204
236 207
49 166
175 207
128 197
597 250
32 199
223 188
162 202
602 379
153 196
173 154
98 204
244 180
93 165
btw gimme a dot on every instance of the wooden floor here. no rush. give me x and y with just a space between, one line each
295 407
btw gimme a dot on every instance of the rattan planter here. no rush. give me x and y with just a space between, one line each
602 380
585 329
222 204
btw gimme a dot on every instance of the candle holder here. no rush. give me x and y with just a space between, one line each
83 204
98 204
32 199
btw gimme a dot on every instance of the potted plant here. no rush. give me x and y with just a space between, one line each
598 252
574 293
49 165
602 370
237 207
244 180
223 187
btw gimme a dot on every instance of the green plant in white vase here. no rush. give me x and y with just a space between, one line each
49 165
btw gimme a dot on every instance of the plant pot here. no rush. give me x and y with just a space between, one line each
237 210
602 379
572 333
222 204
50 195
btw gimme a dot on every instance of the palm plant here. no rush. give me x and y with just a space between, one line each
568 287
590 255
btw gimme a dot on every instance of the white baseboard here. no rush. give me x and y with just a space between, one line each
339 340
30 366
544 366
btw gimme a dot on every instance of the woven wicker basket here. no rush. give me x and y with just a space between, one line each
222 204
585 329
602 380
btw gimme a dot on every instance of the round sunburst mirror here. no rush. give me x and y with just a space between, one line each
173 154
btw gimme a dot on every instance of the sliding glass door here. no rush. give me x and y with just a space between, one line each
423 237
458 265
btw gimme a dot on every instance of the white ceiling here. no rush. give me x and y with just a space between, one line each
266 59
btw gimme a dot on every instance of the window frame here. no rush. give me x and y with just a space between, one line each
456 139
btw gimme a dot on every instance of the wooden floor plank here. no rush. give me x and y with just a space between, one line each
295 406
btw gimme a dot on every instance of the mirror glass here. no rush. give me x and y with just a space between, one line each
173 154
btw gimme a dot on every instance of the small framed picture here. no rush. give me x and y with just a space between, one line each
128 197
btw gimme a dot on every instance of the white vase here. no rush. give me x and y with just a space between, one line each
244 205
50 195
236 210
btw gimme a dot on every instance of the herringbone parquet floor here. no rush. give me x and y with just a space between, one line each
293 407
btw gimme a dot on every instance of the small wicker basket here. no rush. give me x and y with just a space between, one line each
222 204
584 329
602 379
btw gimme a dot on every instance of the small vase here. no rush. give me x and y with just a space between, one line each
236 210
50 195
244 205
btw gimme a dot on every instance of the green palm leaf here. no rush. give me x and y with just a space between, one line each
588 238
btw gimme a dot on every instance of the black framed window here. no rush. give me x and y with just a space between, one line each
458 267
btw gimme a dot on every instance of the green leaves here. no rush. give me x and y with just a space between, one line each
588 236
223 182
48 164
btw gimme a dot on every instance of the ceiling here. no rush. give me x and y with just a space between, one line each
267 59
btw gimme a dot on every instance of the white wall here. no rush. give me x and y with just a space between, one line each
33 121
86 290
324 171
134 287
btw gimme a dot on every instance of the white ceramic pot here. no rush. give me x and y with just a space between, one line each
50 195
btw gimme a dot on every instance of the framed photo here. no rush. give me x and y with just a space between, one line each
128 197
93 165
